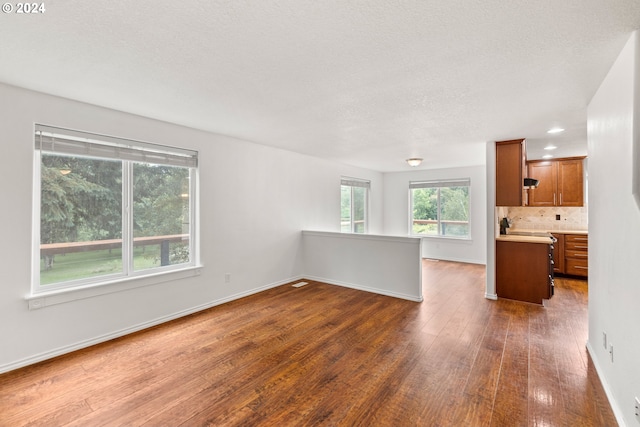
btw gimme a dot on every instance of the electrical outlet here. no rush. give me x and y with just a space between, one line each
557 217
604 340
637 405
611 352
227 277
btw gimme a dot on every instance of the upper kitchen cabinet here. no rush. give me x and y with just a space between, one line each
510 172
561 182
546 173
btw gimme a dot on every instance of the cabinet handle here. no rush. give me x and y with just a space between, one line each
580 255
581 268
582 247
560 199
554 199
584 239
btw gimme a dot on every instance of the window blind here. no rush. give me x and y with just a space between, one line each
354 182
65 141
465 182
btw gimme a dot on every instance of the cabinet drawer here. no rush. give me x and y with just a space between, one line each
580 247
578 267
575 241
577 254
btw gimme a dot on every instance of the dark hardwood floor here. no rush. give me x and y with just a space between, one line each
326 355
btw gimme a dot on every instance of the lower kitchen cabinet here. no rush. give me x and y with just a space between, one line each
558 253
576 254
524 271
571 254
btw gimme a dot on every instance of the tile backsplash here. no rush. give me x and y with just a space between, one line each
536 218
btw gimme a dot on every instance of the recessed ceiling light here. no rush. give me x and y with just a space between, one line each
547 156
550 147
555 130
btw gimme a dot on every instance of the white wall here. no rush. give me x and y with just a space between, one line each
396 213
614 233
387 265
491 222
254 202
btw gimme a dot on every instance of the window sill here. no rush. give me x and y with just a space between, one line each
61 296
452 238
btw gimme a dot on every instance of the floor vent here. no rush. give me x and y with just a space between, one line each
299 284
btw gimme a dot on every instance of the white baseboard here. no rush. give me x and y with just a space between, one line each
453 259
365 288
122 332
614 405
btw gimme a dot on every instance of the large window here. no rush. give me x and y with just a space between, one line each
354 201
440 208
110 208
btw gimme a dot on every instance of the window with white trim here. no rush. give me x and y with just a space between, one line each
440 208
354 205
109 209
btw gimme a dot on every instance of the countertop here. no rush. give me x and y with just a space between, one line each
534 239
584 232
523 239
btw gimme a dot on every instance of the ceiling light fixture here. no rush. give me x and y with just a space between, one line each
414 161
555 130
547 156
550 147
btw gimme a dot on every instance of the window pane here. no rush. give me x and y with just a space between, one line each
359 209
425 210
80 218
160 216
345 208
454 210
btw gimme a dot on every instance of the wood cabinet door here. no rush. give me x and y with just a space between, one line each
545 193
558 254
509 179
570 183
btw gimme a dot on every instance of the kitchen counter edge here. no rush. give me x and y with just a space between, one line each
523 239
527 230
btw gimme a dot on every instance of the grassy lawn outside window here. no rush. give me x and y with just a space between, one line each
110 208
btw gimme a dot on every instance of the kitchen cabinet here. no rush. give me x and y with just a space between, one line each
561 182
576 254
571 254
523 271
571 182
558 253
511 168
547 175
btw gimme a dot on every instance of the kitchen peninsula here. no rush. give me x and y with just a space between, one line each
524 267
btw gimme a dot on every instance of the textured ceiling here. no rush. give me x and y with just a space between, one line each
368 83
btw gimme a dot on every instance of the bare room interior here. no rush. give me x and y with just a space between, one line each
320 213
